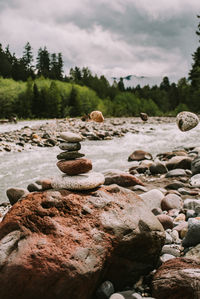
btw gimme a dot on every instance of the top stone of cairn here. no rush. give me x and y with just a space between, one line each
186 120
71 137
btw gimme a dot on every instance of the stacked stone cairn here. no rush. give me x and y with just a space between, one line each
77 170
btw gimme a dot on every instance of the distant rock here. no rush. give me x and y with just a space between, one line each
97 116
143 116
186 120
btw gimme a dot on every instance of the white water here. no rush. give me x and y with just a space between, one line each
21 168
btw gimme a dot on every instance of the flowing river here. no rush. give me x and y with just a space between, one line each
18 169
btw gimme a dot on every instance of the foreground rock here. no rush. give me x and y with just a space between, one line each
61 245
177 278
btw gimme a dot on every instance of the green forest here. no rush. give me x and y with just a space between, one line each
42 90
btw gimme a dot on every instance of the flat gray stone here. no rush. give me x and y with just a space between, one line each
71 137
70 146
70 155
187 120
86 181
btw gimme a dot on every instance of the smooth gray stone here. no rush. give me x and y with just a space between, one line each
70 146
71 137
69 155
175 173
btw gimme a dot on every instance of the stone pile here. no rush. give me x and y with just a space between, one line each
76 169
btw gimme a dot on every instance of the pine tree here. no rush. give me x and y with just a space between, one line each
43 63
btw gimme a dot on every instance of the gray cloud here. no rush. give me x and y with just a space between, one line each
114 38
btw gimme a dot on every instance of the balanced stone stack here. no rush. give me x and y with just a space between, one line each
76 169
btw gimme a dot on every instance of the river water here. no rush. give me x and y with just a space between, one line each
18 169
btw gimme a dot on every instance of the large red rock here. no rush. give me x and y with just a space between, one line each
177 278
74 167
62 244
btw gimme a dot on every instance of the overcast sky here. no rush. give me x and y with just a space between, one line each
152 38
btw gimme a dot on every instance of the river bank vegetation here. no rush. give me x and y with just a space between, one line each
42 90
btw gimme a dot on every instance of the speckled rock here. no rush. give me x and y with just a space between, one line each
71 137
194 253
75 167
186 120
70 155
85 181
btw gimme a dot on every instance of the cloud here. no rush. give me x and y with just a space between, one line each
115 38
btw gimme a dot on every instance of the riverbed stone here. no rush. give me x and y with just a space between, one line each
165 220
58 250
75 167
70 146
195 165
70 155
182 162
171 201
175 173
158 168
186 120
71 137
85 181
121 178
14 194
192 204
195 180
192 237
194 253
152 198
177 278
140 155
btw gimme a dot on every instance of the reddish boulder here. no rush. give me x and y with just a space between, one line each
177 278
74 167
62 244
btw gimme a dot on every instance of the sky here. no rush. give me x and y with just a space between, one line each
115 38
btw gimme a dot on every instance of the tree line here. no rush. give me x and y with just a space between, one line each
42 90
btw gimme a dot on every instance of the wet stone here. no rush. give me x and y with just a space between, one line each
69 155
70 146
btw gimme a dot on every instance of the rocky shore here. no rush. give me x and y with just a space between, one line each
137 235
47 135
